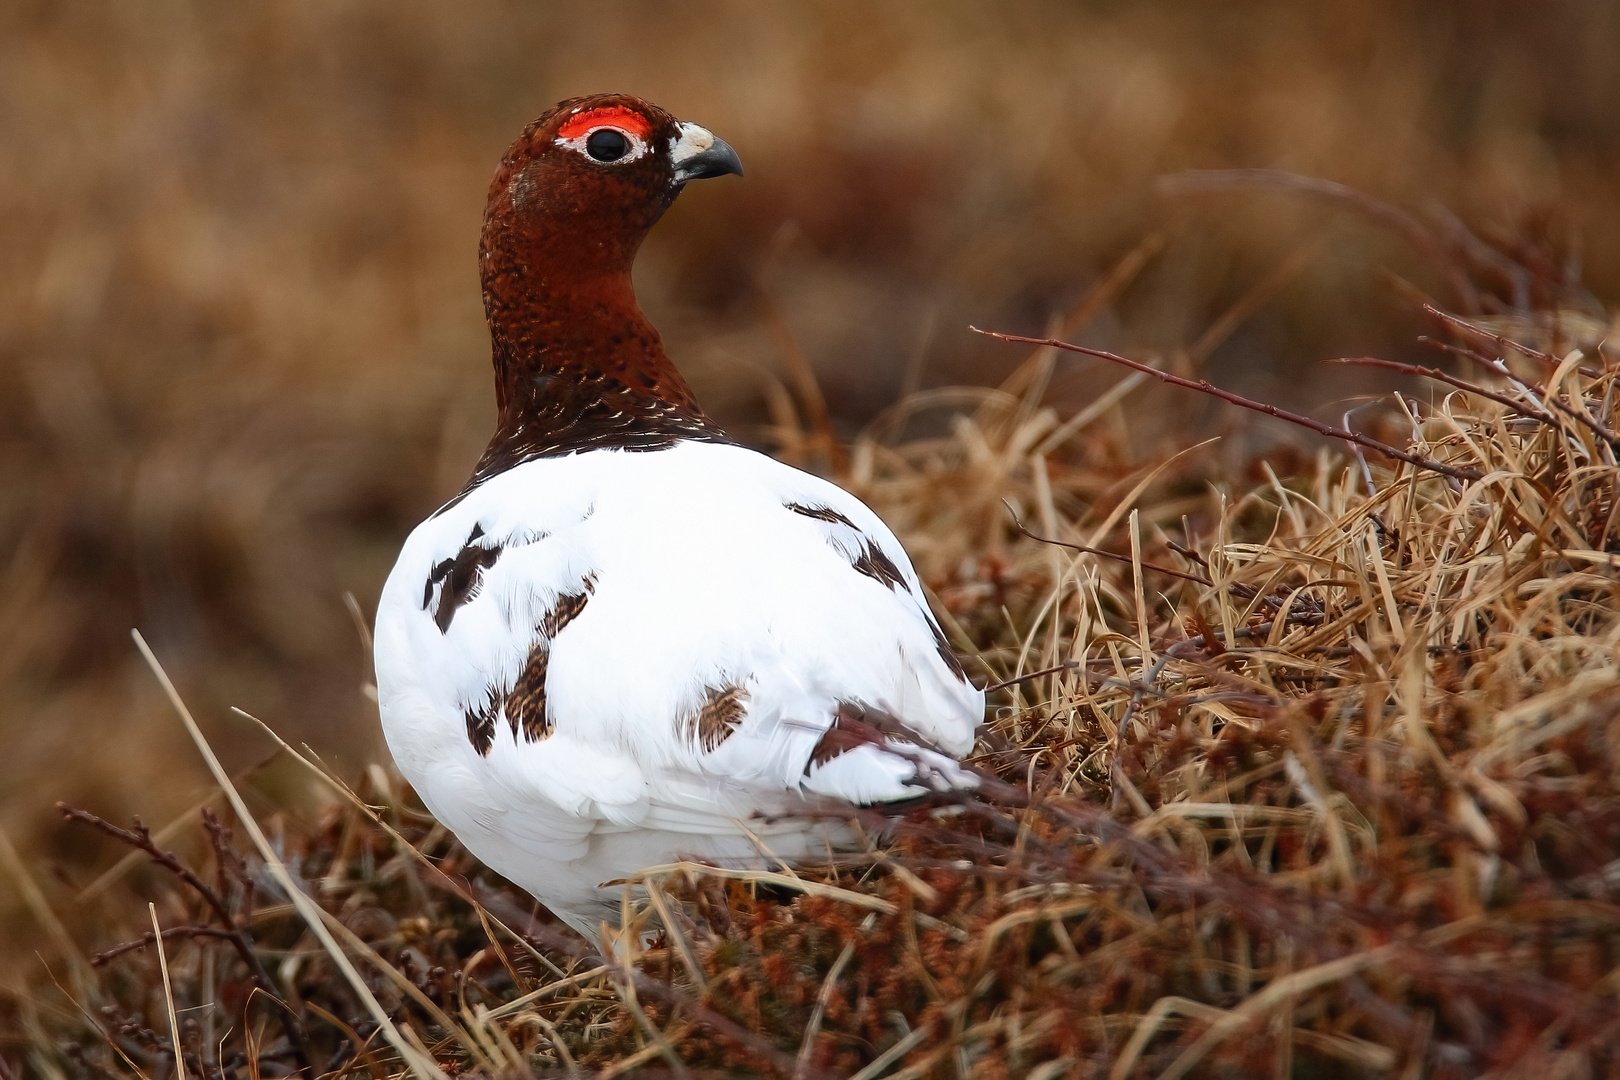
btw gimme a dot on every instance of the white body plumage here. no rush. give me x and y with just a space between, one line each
600 661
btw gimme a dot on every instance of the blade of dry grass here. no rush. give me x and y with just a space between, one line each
421 1066
168 993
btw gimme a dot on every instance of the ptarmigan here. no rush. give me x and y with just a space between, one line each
628 638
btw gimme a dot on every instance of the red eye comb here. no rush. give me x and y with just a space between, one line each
614 115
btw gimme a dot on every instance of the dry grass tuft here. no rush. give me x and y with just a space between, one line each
1316 777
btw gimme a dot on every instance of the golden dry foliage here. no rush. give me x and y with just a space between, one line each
1321 779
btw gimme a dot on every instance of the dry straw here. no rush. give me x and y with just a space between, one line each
1290 774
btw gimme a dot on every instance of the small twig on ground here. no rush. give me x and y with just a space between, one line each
1496 366
1067 665
1187 553
226 858
141 839
102 959
1088 550
1524 409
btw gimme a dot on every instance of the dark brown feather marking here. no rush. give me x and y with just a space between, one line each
435 576
871 561
840 739
945 653
855 726
567 608
722 711
820 513
462 578
526 704
879 567
481 726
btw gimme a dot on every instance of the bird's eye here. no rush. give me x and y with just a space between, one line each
607 144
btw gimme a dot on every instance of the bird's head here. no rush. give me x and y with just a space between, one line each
575 358
587 180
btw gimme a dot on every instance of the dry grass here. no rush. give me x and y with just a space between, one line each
1322 779
241 345
1338 734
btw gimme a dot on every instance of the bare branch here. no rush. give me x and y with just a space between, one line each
1602 430
1518 406
102 959
141 839
1455 472
1546 360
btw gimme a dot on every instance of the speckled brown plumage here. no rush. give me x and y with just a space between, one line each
847 732
481 725
722 710
567 608
526 703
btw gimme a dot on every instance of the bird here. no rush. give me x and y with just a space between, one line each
630 639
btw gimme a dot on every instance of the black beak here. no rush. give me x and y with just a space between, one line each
717 159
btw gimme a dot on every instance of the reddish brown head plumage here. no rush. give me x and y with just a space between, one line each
577 365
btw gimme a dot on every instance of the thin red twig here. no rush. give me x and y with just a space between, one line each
1355 437
1546 360
1602 430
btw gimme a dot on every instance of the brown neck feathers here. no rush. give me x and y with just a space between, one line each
577 365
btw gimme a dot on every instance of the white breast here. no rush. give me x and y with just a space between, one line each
598 662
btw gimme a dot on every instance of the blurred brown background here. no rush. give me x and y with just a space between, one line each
241 343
